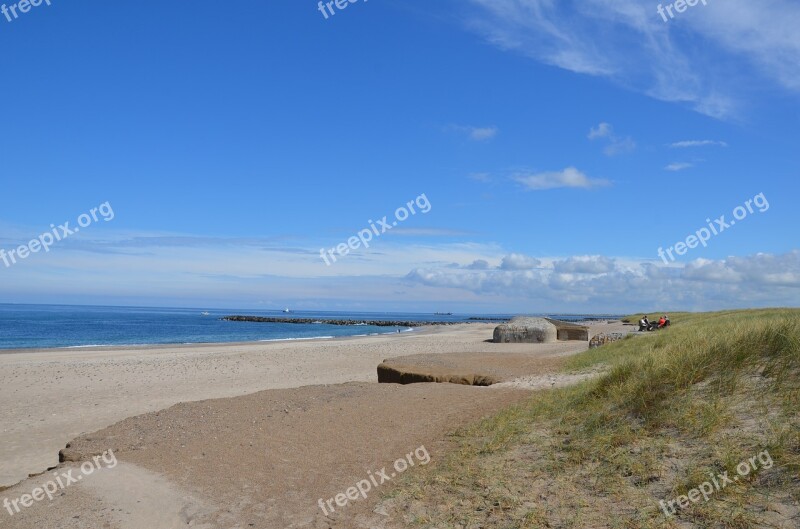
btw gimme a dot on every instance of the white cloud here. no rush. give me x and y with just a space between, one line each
628 42
569 177
603 130
483 133
697 143
678 166
760 269
479 264
616 145
599 283
585 265
517 261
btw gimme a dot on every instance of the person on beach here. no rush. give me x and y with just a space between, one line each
662 322
644 324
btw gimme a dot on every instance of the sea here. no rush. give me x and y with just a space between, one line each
69 326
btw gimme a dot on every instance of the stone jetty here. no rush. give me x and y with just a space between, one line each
376 323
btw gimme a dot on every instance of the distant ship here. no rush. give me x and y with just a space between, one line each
287 311
442 313
205 313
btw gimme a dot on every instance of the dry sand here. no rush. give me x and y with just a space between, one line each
267 458
256 459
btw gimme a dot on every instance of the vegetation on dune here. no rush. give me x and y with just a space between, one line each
673 409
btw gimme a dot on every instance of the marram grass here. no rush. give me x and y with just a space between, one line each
672 408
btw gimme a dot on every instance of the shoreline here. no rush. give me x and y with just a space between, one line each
145 347
31 337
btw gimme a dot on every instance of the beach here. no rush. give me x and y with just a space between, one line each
322 394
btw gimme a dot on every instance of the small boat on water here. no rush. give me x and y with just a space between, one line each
286 311
204 313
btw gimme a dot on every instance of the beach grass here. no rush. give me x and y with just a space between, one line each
673 409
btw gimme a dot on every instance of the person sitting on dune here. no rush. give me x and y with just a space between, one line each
644 324
662 322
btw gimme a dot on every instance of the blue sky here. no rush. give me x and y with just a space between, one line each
559 144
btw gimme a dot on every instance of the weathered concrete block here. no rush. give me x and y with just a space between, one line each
416 374
526 330
570 331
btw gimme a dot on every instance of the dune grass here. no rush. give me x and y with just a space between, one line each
672 409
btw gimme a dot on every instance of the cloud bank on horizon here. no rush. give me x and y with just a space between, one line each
397 276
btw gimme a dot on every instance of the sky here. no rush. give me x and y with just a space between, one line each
559 156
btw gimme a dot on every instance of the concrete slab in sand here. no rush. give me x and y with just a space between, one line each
472 369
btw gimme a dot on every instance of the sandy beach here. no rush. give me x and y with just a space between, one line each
336 420
255 259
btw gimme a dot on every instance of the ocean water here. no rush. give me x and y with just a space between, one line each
56 326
